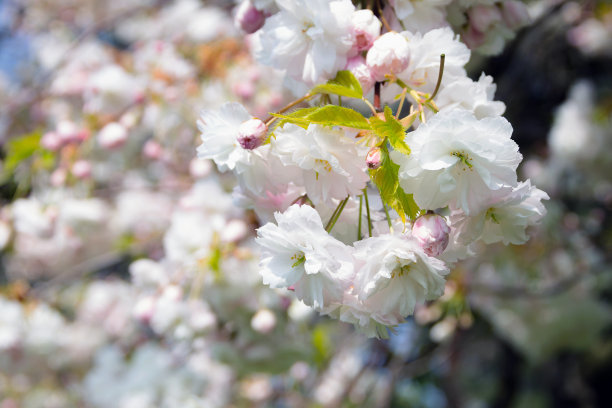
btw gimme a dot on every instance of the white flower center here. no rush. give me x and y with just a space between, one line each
400 271
491 215
325 164
464 158
298 259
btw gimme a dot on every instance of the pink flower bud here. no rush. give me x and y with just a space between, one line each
365 29
252 133
374 158
81 169
275 98
244 89
51 141
472 37
68 132
139 97
483 17
360 70
58 177
248 18
152 150
112 136
515 14
253 73
389 55
431 232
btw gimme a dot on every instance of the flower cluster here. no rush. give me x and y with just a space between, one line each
326 177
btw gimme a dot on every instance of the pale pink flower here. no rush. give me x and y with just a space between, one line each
431 231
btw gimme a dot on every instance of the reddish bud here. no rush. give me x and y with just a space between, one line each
252 133
374 158
248 18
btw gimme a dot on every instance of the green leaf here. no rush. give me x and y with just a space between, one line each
386 179
291 117
322 345
390 129
20 149
328 115
344 84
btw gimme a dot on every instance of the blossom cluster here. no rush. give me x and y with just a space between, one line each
442 174
134 274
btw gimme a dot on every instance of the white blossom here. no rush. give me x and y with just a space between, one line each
309 39
420 15
110 90
475 96
299 252
220 132
425 50
456 158
333 165
505 218
394 275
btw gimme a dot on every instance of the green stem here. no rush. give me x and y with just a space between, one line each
289 106
387 214
333 215
336 215
369 105
440 73
365 195
359 222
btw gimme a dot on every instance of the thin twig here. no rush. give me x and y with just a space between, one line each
359 222
440 73
365 195
287 107
336 215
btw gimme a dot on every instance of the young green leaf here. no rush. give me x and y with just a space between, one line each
386 179
390 129
20 149
344 84
328 115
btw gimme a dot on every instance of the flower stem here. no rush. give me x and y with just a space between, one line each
377 96
365 195
369 105
359 222
336 215
388 218
401 103
440 73
287 107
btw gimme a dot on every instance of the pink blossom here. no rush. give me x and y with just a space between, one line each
390 54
